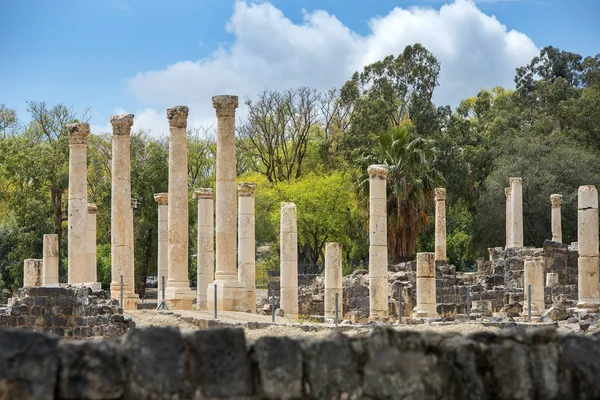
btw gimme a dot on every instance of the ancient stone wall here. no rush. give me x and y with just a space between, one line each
219 363
70 312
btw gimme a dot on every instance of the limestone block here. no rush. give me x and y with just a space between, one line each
556 200
50 260
333 279
378 297
32 272
587 277
587 197
378 261
552 279
426 265
587 232
378 230
534 276
516 201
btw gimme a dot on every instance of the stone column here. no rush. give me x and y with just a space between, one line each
333 279
426 292
587 238
206 244
516 211
378 255
288 258
121 225
508 218
247 245
77 208
162 263
91 269
556 200
32 272
229 289
50 260
440 224
131 277
178 294
533 275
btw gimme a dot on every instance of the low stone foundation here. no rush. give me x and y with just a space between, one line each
69 312
219 363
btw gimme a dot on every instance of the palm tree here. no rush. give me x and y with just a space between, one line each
411 180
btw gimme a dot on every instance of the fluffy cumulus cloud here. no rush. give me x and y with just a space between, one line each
270 51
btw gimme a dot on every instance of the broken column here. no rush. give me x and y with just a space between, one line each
587 238
333 279
91 269
50 260
121 225
32 272
426 291
162 264
378 257
288 244
508 220
178 294
556 200
206 244
246 245
229 289
533 275
516 211
77 207
440 224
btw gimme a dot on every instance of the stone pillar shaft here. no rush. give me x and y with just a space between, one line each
534 276
288 244
426 290
508 218
587 238
206 244
378 254
333 279
32 272
92 269
77 202
121 226
516 208
247 245
162 264
178 293
50 260
440 224
556 200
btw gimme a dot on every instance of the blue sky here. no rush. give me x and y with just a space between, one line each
143 56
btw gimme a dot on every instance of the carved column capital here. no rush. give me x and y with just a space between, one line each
225 105
177 116
78 132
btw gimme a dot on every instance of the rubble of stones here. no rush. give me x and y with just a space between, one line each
385 363
496 290
68 312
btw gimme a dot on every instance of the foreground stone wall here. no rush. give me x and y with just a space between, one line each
160 363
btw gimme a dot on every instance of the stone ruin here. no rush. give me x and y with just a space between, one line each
67 312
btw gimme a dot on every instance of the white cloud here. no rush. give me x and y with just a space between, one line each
270 51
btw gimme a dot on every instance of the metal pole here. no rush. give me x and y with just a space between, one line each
121 294
399 306
163 288
337 296
215 285
529 303
273 305
468 303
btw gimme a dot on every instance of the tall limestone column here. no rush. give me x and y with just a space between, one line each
516 211
91 270
162 263
556 200
288 258
333 279
229 289
534 276
508 218
178 294
121 226
206 244
587 238
426 291
247 245
50 260
440 224
378 255
78 136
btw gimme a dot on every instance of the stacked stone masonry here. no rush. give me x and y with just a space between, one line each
218 363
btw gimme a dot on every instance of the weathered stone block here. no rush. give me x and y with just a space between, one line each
279 361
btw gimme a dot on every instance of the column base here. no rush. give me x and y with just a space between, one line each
130 300
249 301
425 311
179 298
229 296
587 307
95 286
378 315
